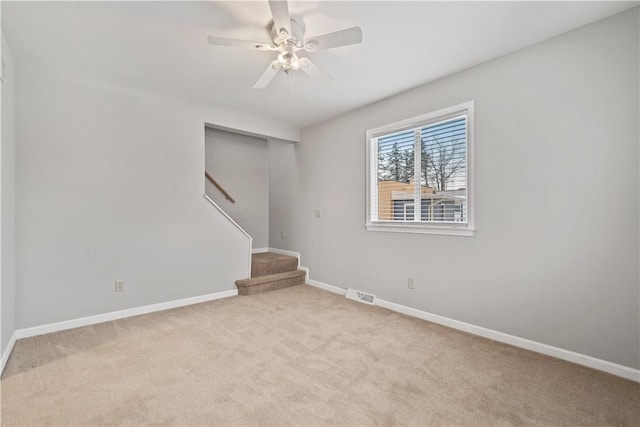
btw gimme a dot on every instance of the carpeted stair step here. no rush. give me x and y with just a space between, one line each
270 282
266 263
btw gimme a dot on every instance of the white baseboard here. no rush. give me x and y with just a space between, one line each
559 353
259 250
285 252
114 315
326 287
570 356
305 269
7 352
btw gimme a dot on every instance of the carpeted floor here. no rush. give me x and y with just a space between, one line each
298 356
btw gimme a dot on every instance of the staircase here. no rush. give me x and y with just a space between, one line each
270 271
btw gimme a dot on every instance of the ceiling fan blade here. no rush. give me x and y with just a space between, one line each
268 75
281 17
312 70
222 41
346 37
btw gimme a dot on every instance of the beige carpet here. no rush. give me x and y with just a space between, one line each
298 356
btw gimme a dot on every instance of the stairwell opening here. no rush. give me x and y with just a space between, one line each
238 180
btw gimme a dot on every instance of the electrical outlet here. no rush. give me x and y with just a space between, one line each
119 286
317 213
283 234
411 283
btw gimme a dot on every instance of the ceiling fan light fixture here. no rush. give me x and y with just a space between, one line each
289 61
284 57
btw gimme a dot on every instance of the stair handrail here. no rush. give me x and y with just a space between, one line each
219 187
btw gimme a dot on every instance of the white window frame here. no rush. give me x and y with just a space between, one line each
372 171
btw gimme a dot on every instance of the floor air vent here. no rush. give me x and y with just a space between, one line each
360 296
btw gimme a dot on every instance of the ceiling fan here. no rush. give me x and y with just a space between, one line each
287 35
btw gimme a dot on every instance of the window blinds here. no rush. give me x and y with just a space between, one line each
421 173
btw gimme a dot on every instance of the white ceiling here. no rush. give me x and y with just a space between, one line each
162 46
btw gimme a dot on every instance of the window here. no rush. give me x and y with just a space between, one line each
420 174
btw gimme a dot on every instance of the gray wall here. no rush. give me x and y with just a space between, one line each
240 164
283 185
555 255
7 203
109 186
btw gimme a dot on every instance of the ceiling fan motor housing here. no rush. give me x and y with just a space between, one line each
297 32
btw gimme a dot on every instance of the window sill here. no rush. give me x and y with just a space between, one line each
421 229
